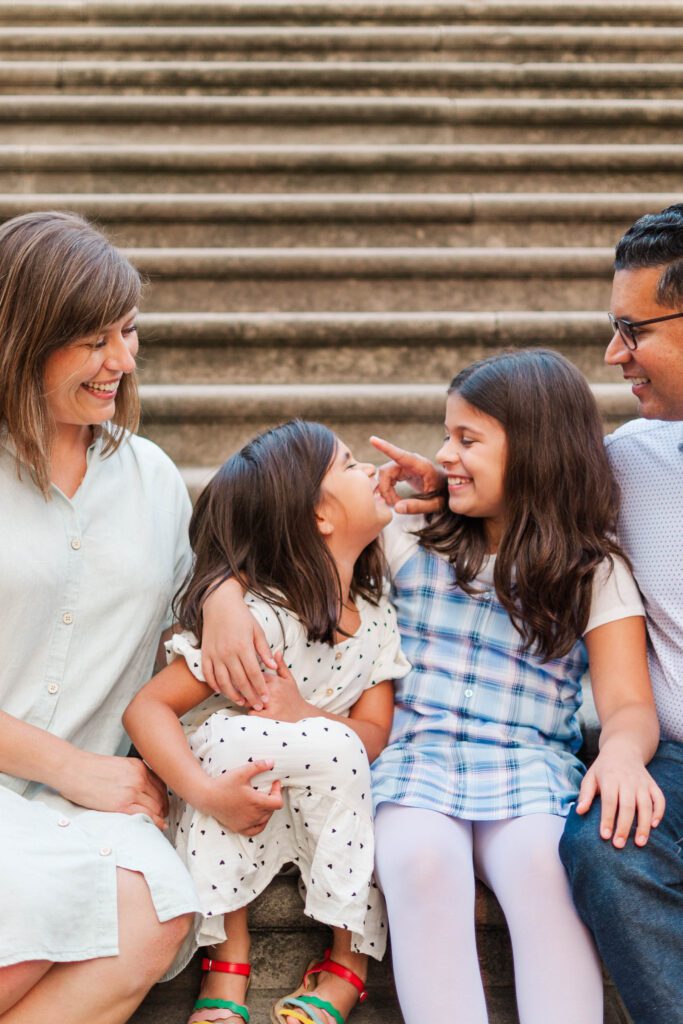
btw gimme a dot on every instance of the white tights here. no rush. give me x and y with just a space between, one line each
426 865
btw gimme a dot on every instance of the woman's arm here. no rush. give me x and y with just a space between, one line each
152 722
629 736
370 717
95 781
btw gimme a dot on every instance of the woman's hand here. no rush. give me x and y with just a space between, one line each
422 475
122 784
285 703
232 644
627 791
235 804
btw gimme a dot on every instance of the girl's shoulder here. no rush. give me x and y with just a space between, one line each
615 594
399 541
281 626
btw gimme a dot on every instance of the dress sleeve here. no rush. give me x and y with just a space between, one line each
399 542
273 623
391 662
615 595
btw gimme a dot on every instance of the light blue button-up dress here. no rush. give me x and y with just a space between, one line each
85 591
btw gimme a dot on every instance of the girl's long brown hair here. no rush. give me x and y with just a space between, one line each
256 522
561 498
60 280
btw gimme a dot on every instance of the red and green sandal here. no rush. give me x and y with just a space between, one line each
208 1011
302 1006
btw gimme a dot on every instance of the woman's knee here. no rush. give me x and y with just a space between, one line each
147 943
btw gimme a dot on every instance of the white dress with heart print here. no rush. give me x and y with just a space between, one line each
325 825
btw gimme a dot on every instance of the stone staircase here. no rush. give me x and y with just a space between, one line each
337 206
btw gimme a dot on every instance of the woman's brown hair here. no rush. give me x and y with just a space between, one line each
561 500
256 521
60 280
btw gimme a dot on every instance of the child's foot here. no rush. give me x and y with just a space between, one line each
331 989
226 988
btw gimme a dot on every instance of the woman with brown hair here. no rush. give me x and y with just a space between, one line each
93 522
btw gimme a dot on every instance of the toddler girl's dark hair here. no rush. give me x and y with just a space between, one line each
256 521
561 499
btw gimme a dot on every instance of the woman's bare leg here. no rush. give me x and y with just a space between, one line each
107 989
18 979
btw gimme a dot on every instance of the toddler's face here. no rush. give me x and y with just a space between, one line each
473 455
352 506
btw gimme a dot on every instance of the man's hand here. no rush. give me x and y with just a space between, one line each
414 469
232 800
285 703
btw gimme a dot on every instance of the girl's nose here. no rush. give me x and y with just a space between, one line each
369 468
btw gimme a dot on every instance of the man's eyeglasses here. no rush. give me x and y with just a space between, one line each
627 328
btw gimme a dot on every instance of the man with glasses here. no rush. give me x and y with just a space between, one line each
632 898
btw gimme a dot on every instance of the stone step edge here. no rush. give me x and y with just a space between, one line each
340 110
347 109
333 74
265 207
361 329
342 402
353 157
497 11
442 38
310 263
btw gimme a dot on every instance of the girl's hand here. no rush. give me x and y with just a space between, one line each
626 789
235 804
122 784
232 643
417 471
285 703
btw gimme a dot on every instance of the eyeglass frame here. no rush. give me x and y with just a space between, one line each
629 339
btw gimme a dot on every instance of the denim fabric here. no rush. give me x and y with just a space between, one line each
632 899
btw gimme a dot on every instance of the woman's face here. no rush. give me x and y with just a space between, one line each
81 379
473 455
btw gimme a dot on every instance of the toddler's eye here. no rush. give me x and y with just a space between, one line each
131 330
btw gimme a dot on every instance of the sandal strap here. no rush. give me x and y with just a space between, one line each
292 1006
332 967
321 1004
225 967
223 1004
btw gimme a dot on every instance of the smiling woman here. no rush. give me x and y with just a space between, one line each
95 902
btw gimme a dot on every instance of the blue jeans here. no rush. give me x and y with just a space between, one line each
632 899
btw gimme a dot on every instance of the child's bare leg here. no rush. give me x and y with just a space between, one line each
235 949
332 989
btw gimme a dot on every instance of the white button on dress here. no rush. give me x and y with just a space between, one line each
67 618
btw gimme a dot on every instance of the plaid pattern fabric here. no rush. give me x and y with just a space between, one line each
482 729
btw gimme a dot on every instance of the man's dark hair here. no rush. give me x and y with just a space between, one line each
656 240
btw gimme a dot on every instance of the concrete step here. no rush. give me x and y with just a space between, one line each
333 219
508 167
437 43
295 119
374 279
328 348
356 77
201 425
352 12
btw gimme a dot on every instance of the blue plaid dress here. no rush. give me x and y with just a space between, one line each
482 729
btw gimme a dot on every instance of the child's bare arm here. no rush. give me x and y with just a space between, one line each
630 732
370 717
152 722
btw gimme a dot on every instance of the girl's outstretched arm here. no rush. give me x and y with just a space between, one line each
629 736
232 643
370 717
152 722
